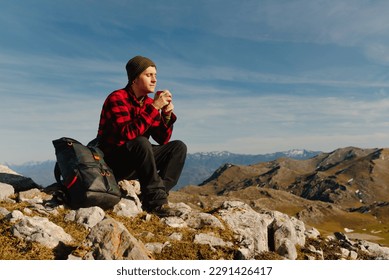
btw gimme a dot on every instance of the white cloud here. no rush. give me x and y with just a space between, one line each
357 23
276 122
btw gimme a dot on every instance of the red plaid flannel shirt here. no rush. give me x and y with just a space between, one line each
123 118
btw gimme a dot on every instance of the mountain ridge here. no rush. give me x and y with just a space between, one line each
198 167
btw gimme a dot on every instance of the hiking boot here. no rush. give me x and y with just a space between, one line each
165 211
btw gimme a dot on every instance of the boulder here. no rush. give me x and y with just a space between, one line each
41 230
6 190
249 227
110 240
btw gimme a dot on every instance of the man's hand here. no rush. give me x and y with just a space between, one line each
162 99
168 109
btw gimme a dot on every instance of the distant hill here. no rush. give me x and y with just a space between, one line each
198 166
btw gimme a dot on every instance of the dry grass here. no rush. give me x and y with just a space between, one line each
13 248
149 228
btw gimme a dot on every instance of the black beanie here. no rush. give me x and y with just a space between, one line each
136 65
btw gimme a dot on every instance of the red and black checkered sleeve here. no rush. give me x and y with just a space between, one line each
121 120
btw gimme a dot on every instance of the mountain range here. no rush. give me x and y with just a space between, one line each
198 166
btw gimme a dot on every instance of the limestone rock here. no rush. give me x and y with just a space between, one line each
211 240
110 240
201 220
286 234
380 253
41 230
87 217
33 196
249 227
127 207
6 190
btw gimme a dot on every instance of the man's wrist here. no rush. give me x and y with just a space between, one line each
155 106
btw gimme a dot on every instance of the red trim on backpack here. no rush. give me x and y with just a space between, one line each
72 182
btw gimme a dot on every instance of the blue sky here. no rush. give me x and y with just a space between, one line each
248 76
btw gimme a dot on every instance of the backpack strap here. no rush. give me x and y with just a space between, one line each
60 194
57 174
67 183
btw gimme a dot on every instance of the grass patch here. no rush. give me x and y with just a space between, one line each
149 228
358 222
14 248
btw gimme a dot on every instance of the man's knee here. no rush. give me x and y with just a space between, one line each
180 146
139 143
141 140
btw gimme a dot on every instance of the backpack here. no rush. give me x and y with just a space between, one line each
86 179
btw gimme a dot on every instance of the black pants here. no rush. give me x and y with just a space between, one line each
157 167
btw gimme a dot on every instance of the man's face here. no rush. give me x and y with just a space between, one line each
146 81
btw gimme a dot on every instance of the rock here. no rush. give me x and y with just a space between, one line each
287 249
3 212
353 255
183 209
379 252
6 170
110 240
175 222
345 241
87 217
41 230
257 231
317 252
128 207
6 190
201 220
130 188
286 234
154 247
175 236
312 233
33 196
345 253
348 230
15 216
211 240
46 210
249 227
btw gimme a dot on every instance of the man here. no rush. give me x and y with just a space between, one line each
129 117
